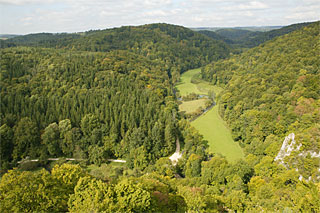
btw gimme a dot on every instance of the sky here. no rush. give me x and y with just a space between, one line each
34 16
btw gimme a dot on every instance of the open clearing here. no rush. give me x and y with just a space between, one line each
215 131
210 124
185 86
192 106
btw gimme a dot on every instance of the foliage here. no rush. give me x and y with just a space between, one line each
120 103
218 135
91 195
248 39
70 107
271 91
179 47
38 191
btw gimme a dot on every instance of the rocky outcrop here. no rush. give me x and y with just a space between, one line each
288 146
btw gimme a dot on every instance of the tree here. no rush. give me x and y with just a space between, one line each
67 143
32 192
193 166
92 195
236 201
164 166
68 175
214 171
6 146
96 154
131 197
266 167
26 139
51 139
88 123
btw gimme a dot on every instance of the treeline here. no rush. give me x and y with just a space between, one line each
271 91
209 186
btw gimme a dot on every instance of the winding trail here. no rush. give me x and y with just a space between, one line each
67 159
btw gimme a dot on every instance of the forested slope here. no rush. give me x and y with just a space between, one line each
239 38
119 81
271 91
91 105
179 47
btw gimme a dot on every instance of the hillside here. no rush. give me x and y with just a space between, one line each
7 36
179 47
271 91
237 35
248 38
216 36
57 103
260 38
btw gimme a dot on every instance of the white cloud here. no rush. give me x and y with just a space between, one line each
309 12
253 5
25 2
27 16
157 3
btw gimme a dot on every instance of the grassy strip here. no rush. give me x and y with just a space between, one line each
215 131
192 106
185 86
210 124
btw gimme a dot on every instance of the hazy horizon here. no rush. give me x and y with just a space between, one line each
197 27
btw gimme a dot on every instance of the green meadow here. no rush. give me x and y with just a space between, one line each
216 132
185 86
192 106
210 124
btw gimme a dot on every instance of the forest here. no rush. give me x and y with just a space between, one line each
110 94
241 38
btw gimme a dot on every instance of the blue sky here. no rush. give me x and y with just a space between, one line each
32 16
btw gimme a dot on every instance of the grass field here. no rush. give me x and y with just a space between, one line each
185 86
210 124
215 131
192 106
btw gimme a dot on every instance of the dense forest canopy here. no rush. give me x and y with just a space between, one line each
241 38
115 101
271 91
108 103
108 94
180 48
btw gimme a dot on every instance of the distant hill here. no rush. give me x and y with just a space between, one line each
216 36
250 28
180 47
43 39
259 28
7 36
249 39
263 37
237 35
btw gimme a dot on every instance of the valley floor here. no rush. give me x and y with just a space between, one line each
215 131
210 124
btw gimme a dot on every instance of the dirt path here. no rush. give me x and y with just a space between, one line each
177 155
